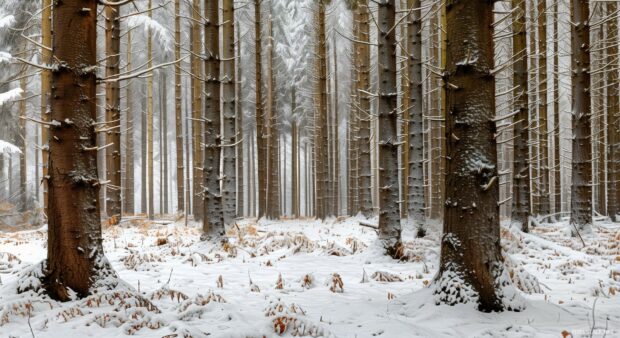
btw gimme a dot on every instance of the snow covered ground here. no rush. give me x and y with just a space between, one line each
308 278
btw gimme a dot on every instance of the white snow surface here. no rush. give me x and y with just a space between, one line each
335 282
11 95
8 148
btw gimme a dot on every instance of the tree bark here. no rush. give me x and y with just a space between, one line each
556 113
416 205
23 169
229 184
521 182
197 126
471 261
239 129
365 174
75 258
581 190
177 108
271 132
261 142
213 221
113 114
543 126
389 211
149 122
320 128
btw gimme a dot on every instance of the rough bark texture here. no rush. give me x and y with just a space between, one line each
365 174
213 221
197 124
113 114
177 107
415 190
613 164
128 199
471 261
389 211
75 252
581 190
229 184
239 129
521 171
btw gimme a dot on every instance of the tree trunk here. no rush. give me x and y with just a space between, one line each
46 79
271 132
113 114
23 169
149 122
177 107
143 146
471 263
320 128
581 190
213 221
336 159
229 184
389 211
365 174
239 128
416 205
613 104
164 132
294 155
129 169
521 171
197 124
261 142
543 127
556 113
75 258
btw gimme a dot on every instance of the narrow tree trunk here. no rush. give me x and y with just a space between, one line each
229 184
75 258
416 205
365 175
471 263
543 132
261 142
213 221
320 128
164 125
46 78
143 155
239 129
337 201
389 212
556 113
113 114
197 125
613 104
581 190
521 182
177 107
129 147
149 122
294 155
271 132
23 169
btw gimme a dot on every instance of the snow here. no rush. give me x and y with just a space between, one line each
8 148
309 278
11 95
161 35
7 21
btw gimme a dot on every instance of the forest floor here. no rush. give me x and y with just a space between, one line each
310 278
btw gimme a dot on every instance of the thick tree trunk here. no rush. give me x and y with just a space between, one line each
129 146
471 266
213 221
261 138
521 171
389 211
198 192
229 184
46 79
75 256
416 205
613 104
113 114
177 107
365 167
581 190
